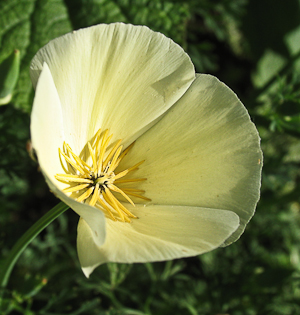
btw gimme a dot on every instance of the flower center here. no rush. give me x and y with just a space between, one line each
96 183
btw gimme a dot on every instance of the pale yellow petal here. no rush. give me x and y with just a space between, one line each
204 152
47 127
116 76
160 233
47 134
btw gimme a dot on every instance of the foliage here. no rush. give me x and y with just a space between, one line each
259 274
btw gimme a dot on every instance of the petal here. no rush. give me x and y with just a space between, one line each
117 76
47 131
204 152
160 233
47 136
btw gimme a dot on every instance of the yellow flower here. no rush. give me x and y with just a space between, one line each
159 162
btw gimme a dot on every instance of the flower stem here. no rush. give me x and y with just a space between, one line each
26 239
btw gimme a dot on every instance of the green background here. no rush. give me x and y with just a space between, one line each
254 47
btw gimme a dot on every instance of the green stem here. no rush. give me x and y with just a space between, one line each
26 239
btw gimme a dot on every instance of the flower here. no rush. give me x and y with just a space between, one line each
159 162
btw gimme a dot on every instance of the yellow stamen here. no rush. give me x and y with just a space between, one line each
96 181
138 196
102 203
125 210
102 150
95 195
126 151
135 167
110 199
116 189
61 162
113 162
77 158
121 174
76 166
76 179
133 190
113 150
75 188
96 142
117 203
96 138
93 157
85 195
119 181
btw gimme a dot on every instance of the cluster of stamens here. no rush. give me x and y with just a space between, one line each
96 184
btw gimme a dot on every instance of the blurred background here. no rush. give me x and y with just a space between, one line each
251 45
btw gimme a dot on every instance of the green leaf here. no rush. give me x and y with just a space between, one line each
27 26
168 17
268 67
9 70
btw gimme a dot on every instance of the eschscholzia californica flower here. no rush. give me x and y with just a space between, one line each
159 162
